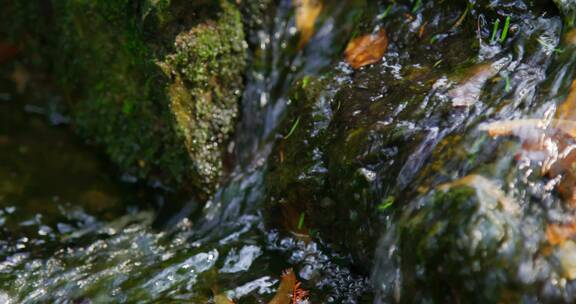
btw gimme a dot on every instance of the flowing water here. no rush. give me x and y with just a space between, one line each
75 231
414 198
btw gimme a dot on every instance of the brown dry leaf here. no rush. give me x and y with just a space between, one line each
307 11
558 233
367 49
7 51
289 291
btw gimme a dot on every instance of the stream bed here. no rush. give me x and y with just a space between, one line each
441 173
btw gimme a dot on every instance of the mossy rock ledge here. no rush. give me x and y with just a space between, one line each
155 83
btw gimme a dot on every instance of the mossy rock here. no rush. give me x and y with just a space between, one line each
357 146
155 83
344 142
461 242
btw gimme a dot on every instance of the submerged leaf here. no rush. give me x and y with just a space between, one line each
367 49
307 11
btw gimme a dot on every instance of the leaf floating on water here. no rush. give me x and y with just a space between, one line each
307 11
367 49
289 291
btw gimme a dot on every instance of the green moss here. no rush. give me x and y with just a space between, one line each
205 86
459 235
155 83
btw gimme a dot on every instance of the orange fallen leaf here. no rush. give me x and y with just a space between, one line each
289 291
558 233
307 11
367 49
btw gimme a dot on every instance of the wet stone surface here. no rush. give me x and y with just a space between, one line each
393 162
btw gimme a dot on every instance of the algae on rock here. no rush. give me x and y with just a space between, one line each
156 84
372 145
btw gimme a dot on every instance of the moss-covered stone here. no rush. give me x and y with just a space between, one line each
350 135
363 144
464 239
155 83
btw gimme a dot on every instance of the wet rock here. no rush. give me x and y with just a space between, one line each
154 83
358 138
568 8
462 245
377 159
